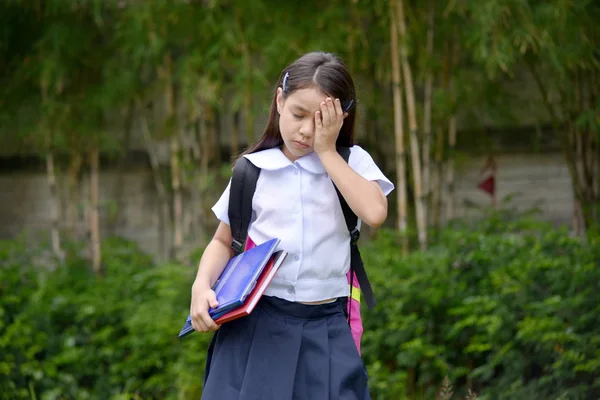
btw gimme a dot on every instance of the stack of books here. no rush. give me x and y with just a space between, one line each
243 282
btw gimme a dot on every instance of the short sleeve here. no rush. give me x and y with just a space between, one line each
362 162
221 207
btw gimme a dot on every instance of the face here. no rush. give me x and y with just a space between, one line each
297 120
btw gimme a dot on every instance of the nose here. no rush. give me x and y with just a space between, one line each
307 128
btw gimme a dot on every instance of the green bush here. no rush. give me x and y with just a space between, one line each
507 307
65 334
510 310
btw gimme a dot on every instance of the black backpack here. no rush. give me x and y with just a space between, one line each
243 185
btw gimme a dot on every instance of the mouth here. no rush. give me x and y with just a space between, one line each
301 145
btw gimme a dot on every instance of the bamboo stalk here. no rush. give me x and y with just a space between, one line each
177 196
55 212
398 132
51 176
174 161
74 194
94 212
412 122
427 109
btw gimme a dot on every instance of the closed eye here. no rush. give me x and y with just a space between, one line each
297 116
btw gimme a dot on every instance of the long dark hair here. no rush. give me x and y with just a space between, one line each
325 72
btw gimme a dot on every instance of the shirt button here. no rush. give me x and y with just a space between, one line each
295 171
296 258
290 290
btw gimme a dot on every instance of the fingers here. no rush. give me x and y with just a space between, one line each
328 109
331 111
324 114
202 322
212 300
318 121
201 319
198 324
208 322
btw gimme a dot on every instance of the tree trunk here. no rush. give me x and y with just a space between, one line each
94 213
580 146
427 111
398 132
412 123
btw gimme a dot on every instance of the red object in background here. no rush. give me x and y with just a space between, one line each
488 185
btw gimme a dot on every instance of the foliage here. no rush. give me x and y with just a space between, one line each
507 310
65 334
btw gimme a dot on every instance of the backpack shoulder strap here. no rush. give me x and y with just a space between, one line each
243 184
356 263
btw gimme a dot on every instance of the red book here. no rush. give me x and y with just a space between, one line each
261 285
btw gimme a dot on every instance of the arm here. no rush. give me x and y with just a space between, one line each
215 258
364 197
213 261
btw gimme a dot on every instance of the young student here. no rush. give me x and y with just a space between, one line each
296 344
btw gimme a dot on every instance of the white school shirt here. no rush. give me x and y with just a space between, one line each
297 203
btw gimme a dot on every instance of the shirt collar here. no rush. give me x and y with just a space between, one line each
274 159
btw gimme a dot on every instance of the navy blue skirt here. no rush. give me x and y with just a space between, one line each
286 351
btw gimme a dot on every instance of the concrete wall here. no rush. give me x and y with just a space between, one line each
535 180
538 180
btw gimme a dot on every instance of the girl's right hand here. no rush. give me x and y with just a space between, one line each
203 298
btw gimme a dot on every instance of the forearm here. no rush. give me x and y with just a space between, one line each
364 197
213 262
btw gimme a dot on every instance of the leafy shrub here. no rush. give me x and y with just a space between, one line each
507 307
510 310
65 334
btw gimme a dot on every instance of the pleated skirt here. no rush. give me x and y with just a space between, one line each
286 351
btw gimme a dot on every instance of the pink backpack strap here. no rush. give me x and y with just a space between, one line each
354 317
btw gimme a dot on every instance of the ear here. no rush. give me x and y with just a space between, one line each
280 100
345 115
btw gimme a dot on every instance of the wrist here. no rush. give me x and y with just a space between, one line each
201 284
327 154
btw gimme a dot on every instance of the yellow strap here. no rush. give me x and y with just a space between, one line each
355 293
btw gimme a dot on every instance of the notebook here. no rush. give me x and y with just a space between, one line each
238 279
261 285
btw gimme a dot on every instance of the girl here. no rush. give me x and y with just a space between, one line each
296 344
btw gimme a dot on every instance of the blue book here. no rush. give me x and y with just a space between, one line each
237 280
